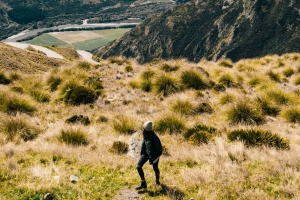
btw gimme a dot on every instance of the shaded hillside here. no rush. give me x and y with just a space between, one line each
213 29
12 58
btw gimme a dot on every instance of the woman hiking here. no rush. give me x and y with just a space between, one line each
151 150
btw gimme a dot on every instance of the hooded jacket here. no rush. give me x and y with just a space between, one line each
151 145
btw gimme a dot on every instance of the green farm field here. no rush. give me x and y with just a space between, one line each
81 40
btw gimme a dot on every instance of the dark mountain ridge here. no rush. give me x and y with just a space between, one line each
212 30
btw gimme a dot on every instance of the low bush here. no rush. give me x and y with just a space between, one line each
170 124
193 79
200 134
73 136
292 115
268 106
256 137
245 111
166 85
3 79
184 107
124 124
18 127
75 94
119 147
169 68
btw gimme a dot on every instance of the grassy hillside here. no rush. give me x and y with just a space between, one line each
229 130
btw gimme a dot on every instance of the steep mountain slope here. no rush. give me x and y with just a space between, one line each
214 29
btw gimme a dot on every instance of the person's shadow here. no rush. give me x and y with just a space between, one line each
164 190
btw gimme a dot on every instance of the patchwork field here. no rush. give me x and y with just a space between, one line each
81 40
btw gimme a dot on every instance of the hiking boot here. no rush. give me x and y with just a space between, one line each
157 182
143 185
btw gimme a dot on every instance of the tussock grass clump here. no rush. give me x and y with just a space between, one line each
203 107
255 81
147 75
297 80
227 98
128 68
84 65
193 79
245 111
95 84
18 127
53 82
124 124
268 106
200 134
292 114
146 85
219 88
119 147
184 107
169 68
279 97
288 72
227 80
170 124
73 136
17 89
166 85
3 79
75 94
40 95
14 104
118 60
15 76
225 63
257 137
274 76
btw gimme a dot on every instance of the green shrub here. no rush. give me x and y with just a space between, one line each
227 80
225 63
182 106
147 75
274 76
288 72
53 82
75 94
84 65
166 85
124 124
40 96
268 107
292 115
297 80
16 104
169 68
203 108
193 79
73 136
18 126
200 134
170 124
256 137
119 147
245 111
227 98
3 79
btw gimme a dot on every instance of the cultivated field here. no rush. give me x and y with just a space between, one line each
81 40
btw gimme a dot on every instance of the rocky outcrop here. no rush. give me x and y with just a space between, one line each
212 30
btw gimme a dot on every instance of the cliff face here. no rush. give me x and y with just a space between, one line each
213 29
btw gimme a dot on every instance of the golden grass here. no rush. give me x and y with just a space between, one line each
217 170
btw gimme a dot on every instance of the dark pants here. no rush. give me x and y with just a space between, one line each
142 161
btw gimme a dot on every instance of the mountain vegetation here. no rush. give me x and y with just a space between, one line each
229 130
213 30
